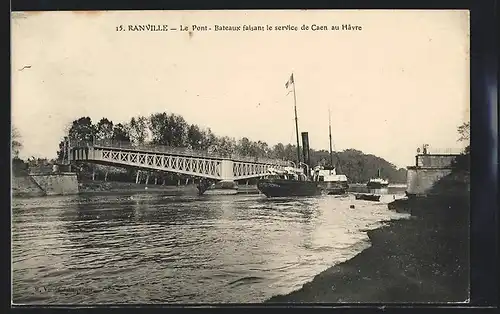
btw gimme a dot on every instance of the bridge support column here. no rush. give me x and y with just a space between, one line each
227 173
137 177
147 178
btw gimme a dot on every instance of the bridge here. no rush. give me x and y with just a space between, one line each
201 164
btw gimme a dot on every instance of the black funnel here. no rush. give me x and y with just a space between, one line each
305 148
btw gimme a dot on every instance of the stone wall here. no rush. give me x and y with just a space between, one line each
45 184
420 180
58 183
435 161
24 186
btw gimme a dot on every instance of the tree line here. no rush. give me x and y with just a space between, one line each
173 130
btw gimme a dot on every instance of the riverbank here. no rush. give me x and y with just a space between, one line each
423 259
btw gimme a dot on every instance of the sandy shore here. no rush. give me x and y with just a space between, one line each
423 259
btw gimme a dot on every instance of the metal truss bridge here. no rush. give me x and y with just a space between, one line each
175 160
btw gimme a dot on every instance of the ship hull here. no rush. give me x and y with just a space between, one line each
284 188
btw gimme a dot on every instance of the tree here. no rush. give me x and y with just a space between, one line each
15 142
168 129
261 149
177 129
157 124
104 129
194 137
244 147
61 154
209 140
138 129
120 133
464 132
462 162
291 152
226 146
82 130
278 151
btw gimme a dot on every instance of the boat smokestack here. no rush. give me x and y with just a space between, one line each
305 148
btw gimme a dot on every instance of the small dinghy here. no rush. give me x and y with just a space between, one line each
368 197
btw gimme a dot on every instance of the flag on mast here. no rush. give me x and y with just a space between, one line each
289 82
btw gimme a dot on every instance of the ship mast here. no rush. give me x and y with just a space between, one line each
296 120
330 135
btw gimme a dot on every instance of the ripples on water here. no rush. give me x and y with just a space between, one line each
151 248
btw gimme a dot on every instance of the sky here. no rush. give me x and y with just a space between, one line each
400 82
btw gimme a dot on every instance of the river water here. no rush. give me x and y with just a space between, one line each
155 248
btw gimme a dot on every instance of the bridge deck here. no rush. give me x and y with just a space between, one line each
181 161
177 151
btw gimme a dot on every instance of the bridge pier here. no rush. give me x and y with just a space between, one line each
227 170
428 169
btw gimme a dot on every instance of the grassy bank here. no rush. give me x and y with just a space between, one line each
424 259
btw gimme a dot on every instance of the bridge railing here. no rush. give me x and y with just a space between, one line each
183 151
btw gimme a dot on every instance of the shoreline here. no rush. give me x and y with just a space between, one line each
421 259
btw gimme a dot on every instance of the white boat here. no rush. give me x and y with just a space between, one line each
330 182
378 182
